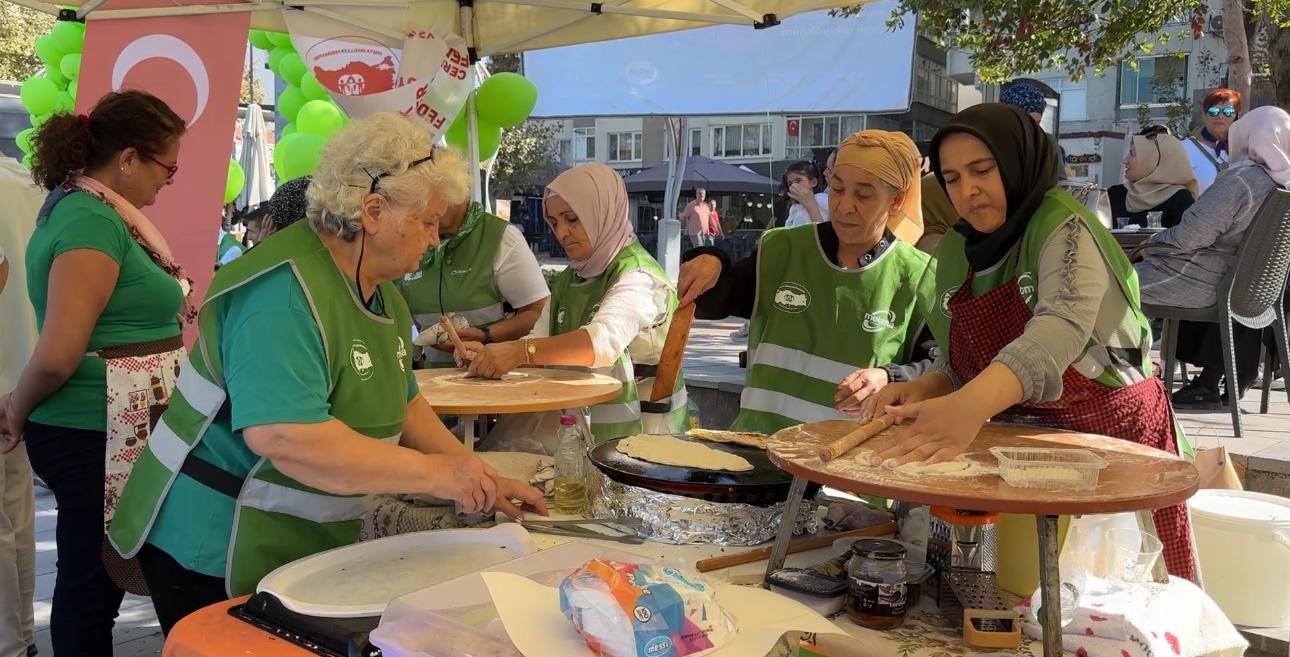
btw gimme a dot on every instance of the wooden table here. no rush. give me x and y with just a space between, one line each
526 390
1137 478
1130 241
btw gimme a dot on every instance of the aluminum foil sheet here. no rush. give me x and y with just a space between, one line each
683 520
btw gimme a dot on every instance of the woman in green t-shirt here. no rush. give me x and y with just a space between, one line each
108 297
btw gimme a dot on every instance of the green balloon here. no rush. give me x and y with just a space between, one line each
320 117
48 51
71 87
490 139
458 136
280 39
71 66
312 88
505 99
56 76
290 102
39 120
68 37
292 68
275 59
297 155
66 104
235 182
260 40
288 129
39 95
26 161
23 139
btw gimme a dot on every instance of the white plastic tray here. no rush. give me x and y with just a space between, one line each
1051 468
361 579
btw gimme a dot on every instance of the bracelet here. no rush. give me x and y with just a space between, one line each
530 350
488 334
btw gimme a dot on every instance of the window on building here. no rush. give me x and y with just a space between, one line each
564 150
624 146
584 144
933 87
747 140
1074 97
1156 80
696 141
808 133
924 131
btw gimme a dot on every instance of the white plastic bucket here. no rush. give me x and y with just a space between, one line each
1243 541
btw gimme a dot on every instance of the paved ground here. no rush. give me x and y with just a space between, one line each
712 360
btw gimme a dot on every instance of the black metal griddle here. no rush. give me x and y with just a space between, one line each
328 637
764 485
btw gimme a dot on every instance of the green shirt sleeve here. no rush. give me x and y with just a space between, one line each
82 222
275 366
413 388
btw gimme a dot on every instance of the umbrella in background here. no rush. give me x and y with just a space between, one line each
255 160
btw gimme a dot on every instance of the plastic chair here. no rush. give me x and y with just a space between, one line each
1250 293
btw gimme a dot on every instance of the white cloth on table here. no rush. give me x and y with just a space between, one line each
1153 620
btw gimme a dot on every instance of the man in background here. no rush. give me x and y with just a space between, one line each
22 201
229 247
697 217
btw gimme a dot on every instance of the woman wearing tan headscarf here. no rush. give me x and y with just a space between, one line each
829 298
609 311
1158 178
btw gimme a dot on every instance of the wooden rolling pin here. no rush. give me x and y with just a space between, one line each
846 443
794 546
452 334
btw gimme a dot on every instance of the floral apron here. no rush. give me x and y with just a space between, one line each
982 326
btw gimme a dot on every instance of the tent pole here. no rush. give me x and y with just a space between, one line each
669 229
468 33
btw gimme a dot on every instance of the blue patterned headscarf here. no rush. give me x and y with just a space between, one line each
1025 97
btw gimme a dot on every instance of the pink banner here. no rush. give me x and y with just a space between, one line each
194 64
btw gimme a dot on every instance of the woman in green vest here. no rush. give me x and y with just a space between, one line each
610 309
299 398
826 298
1035 311
483 272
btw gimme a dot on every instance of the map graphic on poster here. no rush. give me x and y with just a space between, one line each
424 77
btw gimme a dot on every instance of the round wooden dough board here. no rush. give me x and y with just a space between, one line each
527 390
1136 478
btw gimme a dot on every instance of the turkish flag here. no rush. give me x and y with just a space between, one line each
194 64
794 126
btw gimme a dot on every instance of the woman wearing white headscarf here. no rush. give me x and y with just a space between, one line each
1158 178
609 311
1183 266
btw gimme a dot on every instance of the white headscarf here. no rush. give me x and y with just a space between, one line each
597 195
1262 137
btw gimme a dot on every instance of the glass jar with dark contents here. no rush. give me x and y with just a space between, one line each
876 584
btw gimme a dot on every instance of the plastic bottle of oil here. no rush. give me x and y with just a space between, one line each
570 468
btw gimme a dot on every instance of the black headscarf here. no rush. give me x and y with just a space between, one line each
288 204
1027 161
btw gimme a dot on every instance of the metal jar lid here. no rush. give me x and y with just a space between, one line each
878 548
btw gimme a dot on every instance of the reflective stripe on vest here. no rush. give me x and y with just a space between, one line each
203 395
830 371
769 401
315 507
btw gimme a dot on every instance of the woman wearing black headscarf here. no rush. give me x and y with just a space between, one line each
1036 313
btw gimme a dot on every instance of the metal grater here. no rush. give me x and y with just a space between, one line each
967 588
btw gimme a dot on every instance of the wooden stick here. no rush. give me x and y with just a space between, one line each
794 546
846 443
452 334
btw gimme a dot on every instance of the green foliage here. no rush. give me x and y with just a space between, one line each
19 28
527 154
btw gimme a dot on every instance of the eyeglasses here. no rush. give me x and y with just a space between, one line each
171 169
1214 111
376 179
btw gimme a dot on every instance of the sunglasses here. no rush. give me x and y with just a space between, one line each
1215 111
376 179
171 169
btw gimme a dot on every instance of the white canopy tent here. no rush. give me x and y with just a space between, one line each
501 26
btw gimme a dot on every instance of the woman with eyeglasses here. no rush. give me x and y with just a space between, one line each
109 301
1182 267
299 398
1207 147
1158 178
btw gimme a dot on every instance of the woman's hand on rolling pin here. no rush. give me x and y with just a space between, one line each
697 277
467 352
942 428
468 335
514 498
857 387
493 361
892 394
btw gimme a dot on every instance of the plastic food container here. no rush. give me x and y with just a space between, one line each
1052 468
823 594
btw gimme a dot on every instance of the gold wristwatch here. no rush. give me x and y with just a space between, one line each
530 351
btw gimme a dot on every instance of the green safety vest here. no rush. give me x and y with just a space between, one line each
458 281
226 243
1109 366
814 323
575 302
277 519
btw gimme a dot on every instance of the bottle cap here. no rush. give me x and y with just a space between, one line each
568 421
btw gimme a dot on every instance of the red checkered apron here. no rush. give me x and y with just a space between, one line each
982 326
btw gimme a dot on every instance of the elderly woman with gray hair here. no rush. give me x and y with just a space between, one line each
299 399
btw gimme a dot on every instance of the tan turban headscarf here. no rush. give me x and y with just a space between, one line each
894 159
1169 171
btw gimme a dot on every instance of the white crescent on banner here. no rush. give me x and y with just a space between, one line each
165 46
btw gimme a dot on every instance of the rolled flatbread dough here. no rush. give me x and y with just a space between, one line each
758 440
670 450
